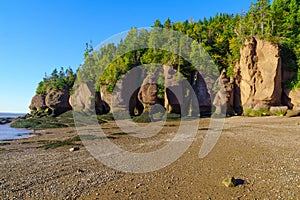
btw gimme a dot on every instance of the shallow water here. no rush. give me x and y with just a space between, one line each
8 133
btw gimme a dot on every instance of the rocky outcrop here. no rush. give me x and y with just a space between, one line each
38 103
148 91
292 113
83 98
53 102
125 94
294 98
278 110
106 96
201 91
87 100
58 101
258 75
257 85
5 120
202 94
223 100
173 91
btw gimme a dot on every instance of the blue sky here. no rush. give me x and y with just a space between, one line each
37 36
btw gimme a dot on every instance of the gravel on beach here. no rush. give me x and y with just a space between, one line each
262 152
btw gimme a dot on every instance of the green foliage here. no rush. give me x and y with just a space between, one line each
58 80
173 117
221 36
143 118
230 71
256 113
106 117
36 123
280 113
56 144
64 120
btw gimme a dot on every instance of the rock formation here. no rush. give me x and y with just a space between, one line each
278 110
148 91
106 96
58 101
38 103
87 100
289 97
83 98
294 97
173 91
201 92
258 75
223 100
53 102
257 84
125 94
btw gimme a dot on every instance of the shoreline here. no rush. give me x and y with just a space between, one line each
14 133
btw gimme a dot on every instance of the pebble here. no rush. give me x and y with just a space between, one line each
74 149
229 182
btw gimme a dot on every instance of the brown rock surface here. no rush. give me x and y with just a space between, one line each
259 74
148 90
275 110
201 92
87 100
106 96
223 99
292 113
294 96
125 93
173 93
38 102
101 106
58 101
82 99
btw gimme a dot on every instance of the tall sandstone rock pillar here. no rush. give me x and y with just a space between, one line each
173 90
258 75
85 99
148 92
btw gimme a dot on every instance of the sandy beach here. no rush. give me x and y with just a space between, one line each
262 152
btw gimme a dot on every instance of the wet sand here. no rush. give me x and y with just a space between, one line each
264 153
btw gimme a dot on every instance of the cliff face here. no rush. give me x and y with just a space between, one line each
38 102
257 85
87 100
58 101
258 75
53 102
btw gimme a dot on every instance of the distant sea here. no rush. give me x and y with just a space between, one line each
8 133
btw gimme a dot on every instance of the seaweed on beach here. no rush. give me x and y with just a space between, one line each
64 120
56 144
5 120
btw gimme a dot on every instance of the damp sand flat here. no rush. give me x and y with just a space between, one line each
264 152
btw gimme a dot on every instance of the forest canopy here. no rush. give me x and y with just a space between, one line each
58 80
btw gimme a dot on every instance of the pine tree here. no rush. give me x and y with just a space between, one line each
168 24
157 24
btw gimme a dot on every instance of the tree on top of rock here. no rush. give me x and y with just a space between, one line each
58 80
